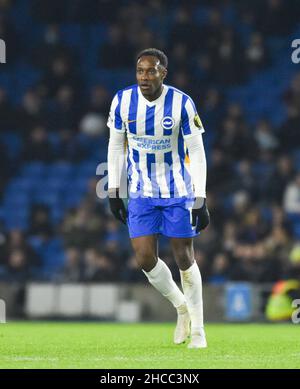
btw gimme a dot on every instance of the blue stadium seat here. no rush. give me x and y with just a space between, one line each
15 218
12 224
97 35
53 255
13 143
294 218
36 243
17 199
46 198
86 170
80 185
33 169
57 213
55 185
266 213
55 244
53 265
71 34
227 203
20 184
60 170
296 230
72 200
296 157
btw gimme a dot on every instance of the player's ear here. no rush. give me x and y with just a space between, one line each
164 73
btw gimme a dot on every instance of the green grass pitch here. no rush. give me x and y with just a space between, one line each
111 345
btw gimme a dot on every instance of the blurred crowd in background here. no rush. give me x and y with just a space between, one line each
65 61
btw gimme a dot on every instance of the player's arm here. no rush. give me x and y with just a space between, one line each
192 129
116 160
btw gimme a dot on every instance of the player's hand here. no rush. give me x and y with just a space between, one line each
117 208
200 214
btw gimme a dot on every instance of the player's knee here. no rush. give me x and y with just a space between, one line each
146 259
183 260
183 254
183 257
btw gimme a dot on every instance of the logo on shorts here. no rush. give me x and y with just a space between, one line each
168 122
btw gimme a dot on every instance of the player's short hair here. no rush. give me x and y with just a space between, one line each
160 55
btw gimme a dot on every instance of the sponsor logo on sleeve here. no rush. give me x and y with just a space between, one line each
197 121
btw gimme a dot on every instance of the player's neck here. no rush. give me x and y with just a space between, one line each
155 95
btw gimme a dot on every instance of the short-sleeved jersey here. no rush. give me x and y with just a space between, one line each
156 154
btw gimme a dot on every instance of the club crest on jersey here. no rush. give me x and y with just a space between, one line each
168 122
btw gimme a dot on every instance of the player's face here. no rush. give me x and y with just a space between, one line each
150 75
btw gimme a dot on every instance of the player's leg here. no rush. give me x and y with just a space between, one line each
157 272
192 287
145 249
144 222
177 225
159 275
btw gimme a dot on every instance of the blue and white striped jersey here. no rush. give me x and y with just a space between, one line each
156 154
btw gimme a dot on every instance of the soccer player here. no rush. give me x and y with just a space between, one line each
151 126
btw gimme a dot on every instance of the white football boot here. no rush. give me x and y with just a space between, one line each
183 326
198 339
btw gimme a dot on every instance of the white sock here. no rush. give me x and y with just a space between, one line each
161 278
192 287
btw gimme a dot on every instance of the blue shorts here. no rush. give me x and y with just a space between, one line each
170 217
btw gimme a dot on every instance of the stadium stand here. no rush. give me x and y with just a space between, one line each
66 59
